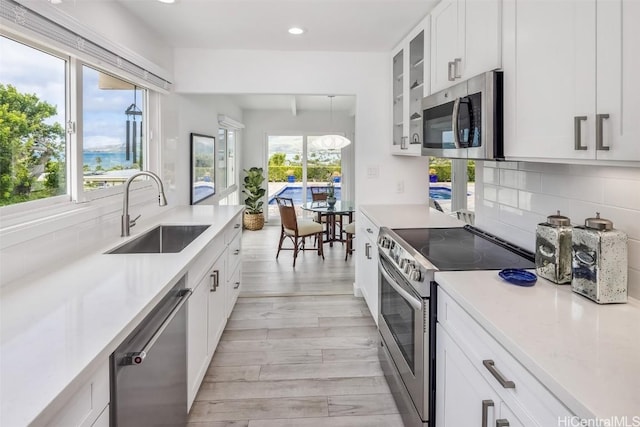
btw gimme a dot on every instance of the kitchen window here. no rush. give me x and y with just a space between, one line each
75 131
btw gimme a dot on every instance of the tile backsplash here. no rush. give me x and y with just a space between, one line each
513 197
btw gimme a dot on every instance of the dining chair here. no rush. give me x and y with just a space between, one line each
320 194
296 230
350 231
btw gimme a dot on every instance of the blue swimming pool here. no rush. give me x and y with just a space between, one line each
295 193
440 193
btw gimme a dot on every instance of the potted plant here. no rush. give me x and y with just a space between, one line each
291 176
433 175
253 218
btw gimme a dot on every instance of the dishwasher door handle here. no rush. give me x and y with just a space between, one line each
137 357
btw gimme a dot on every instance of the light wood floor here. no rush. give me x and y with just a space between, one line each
299 349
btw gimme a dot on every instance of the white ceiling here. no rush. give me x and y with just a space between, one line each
296 103
332 25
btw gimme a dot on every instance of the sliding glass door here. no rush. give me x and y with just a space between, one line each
295 165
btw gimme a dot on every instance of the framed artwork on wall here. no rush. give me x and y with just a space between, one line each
203 163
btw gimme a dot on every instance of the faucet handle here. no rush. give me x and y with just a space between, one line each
133 221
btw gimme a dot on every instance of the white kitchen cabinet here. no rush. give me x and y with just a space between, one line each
366 250
206 315
89 406
465 40
410 71
234 252
472 367
464 397
217 313
214 277
568 83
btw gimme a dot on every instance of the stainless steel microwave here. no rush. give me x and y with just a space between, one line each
465 120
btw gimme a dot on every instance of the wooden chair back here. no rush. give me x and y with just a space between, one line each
287 213
319 194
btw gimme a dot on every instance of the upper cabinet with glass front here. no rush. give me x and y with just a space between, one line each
410 71
465 39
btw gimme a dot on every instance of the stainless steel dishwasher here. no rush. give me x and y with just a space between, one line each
149 368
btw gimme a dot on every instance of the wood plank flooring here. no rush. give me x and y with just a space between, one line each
299 349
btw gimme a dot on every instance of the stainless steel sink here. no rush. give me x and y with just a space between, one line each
162 239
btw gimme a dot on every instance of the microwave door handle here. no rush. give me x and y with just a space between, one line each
414 302
454 123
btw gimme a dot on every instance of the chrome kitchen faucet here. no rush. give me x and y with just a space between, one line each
126 223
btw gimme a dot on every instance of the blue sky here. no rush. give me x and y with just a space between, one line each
35 72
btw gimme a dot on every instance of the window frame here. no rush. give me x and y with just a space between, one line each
12 215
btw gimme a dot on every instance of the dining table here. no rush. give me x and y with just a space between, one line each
341 208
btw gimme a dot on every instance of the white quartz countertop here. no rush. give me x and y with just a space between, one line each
54 331
588 355
409 216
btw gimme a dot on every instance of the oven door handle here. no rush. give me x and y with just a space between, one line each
414 302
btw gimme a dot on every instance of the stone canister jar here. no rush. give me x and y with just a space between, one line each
600 261
553 249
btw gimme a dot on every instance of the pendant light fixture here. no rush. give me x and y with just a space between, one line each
331 141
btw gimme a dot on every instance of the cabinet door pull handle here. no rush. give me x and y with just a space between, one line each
600 132
237 285
491 367
369 231
236 226
577 133
486 404
450 71
502 423
456 68
367 250
214 280
236 252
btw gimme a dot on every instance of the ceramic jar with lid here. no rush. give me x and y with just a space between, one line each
600 261
553 249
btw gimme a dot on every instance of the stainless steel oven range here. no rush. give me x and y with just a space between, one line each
407 307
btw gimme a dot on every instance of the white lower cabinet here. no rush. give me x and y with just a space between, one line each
214 277
197 332
89 406
217 317
479 383
366 253
463 396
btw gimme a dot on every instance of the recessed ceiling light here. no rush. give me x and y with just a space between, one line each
55 1
167 1
296 31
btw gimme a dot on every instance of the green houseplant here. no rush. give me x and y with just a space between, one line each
253 218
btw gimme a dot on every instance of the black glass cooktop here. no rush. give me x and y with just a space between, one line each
452 249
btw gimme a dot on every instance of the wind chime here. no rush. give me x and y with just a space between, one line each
131 145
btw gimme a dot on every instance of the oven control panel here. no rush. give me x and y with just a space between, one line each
403 261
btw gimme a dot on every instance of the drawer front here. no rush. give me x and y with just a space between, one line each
366 227
528 394
202 264
234 253
233 289
233 229
84 408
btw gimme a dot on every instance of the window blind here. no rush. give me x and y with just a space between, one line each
26 18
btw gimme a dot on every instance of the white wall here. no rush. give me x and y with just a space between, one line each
191 113
513 197
365 75
280 122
